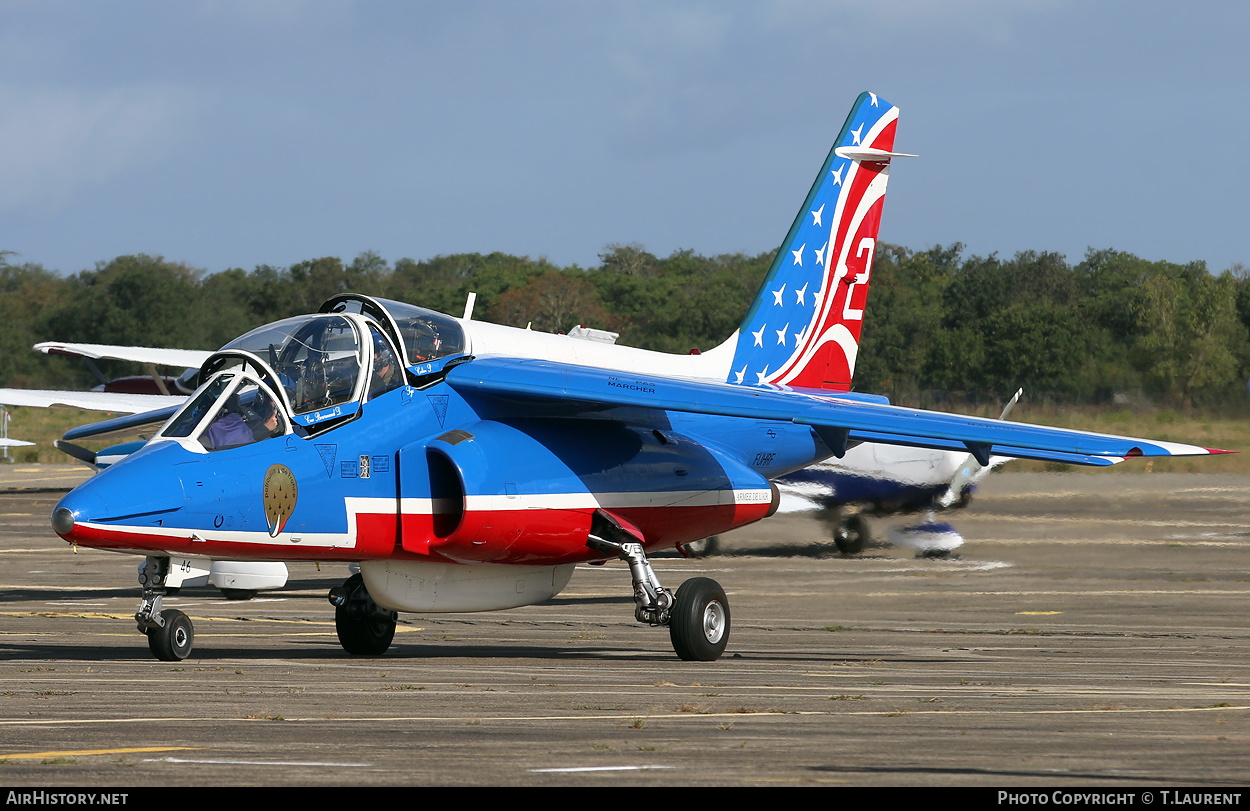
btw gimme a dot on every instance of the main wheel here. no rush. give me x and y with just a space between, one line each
364 627
172 641
851 535
699 622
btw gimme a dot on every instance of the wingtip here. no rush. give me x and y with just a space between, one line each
1217 450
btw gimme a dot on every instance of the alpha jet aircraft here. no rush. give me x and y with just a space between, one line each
466 466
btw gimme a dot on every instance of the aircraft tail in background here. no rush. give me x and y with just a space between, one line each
803 328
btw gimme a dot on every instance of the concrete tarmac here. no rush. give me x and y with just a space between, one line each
1092 632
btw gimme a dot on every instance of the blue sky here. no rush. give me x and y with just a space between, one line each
242 132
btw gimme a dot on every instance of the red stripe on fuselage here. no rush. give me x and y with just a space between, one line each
534 537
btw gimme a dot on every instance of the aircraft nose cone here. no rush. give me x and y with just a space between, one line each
77 507
62 521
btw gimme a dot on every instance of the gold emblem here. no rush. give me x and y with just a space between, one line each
280 493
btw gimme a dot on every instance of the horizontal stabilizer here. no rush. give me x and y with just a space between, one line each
867 153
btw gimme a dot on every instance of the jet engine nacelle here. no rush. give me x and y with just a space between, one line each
525 491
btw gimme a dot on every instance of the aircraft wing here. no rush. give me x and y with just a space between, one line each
91 400
836 419
182 358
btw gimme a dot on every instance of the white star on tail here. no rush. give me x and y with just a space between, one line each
816 214
798 255
777 295
781 335
759 336
801 292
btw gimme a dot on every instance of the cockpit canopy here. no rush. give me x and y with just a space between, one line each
311 372
318 360
234 409
422 335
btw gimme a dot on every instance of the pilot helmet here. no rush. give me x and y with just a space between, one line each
426 341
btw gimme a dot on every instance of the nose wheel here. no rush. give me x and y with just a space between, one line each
171 642
169 631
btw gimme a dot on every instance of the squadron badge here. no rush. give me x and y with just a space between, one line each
279 497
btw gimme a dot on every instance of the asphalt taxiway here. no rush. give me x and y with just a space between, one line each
1093 631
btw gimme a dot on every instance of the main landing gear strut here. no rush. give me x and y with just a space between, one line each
169 631
697 616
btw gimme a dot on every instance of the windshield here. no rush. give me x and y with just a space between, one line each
248 415
317 358
231 410
184 421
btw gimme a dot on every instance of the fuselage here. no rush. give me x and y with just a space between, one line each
422 472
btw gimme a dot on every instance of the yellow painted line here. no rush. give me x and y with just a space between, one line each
339 718
1037 613
198 620
87 752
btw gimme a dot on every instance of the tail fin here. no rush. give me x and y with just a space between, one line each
803 328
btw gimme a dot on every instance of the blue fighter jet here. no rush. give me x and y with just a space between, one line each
465 466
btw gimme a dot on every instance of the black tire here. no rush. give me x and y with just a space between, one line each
172 641
699 622
238 594
851 535
364 628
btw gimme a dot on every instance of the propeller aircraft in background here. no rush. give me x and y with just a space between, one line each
466 466
879 480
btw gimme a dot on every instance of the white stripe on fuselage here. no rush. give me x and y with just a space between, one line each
355 507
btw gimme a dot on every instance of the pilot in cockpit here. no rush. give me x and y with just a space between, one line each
425 342
228 429
386 372
246 417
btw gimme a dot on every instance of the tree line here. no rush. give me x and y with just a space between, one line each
1111 328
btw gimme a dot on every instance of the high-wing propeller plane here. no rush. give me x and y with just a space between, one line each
467 466
875 479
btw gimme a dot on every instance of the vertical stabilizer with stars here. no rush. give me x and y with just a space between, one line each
803 328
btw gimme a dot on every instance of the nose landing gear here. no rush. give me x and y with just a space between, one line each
169 631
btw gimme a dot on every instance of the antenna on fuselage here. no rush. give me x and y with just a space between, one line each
468 305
